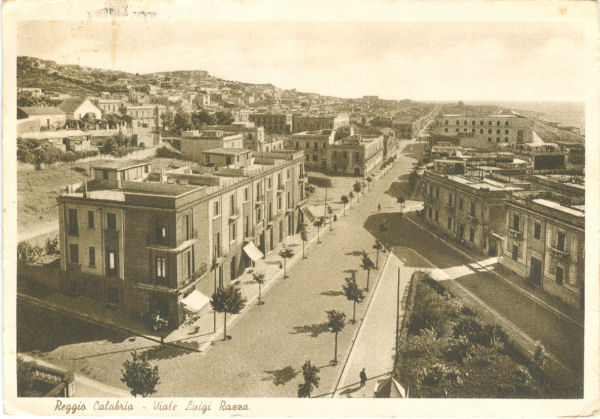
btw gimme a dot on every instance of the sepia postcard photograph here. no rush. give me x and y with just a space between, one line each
300 209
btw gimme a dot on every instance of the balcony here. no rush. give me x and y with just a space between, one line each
515 234
471 218
234 215
449 205
560 255
303 179
259 200
429 198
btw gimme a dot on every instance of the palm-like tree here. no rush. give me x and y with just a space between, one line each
400 200
353 293
344 201
318 223
335 323
259 278
228 299
367 264
286 254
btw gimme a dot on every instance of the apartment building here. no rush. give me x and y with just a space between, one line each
253 136
302 123
194 143
316 145
146 245
484 131
273 123
468 209
148 116
108 106
545 243
357 155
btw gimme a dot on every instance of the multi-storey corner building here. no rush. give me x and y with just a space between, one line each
316 145
356 155
195 143
468 209
273 123
545 242
145 241
484 131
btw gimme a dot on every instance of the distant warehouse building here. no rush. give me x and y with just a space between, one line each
144 242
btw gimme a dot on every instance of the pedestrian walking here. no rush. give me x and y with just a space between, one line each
363 378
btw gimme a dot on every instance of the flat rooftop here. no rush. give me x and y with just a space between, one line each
227 151
118 164
578 210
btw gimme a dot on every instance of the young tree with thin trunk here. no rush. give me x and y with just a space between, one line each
259 278
353 293
378 247
318 223
286 254
311 379
351 195
367 264
335 323
228 299
329 213
344 201
139 375
304 237
400 200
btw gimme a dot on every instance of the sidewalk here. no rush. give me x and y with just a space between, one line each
374 348
537 294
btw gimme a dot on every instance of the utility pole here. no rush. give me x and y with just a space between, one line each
397 315
325 205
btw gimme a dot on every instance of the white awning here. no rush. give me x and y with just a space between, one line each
253 252
195 301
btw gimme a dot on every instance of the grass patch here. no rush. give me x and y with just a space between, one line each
447 350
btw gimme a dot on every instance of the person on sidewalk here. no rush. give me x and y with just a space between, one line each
363 378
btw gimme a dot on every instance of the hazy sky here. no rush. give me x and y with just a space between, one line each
395 60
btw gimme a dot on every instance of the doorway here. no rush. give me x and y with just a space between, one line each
535 272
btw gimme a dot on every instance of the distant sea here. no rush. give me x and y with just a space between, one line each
565 113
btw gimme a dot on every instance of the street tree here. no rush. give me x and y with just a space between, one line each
228 299
357 188
400 200
378 247
351 195
318 223
181 122
224 118
329 213
344 201
259 278
311 379
335 323
214 266
367 264
304 237
353 293
383 228
286 253
139 375
167 120
539 357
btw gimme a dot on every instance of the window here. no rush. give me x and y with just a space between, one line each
232 204
90 219
73 225
449 225
560 241
233 231
437 192
515 252
480 122
498 139
472 212
506 131
457 122
471 234
446 122
505 123
269 182
111 262
430 211
465 122
449 199
515 223
258 191
92 256
161 268
498 123
489 122
430 190
497 131
246 193
472 122
445 129
481 131
489 131
215 208
437 215
111 221
258 215
74 251
460 204
537 231
505 139
217 245
456 129
246 226
560 275
489 139
315 157
270 209
188 227
279 202
105 175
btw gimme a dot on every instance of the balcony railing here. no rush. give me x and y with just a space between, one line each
233 215
471 218
560 254
515 234
260 199
303 179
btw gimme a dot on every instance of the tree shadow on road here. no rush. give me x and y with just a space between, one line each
171 350
354 253
313 330
281 376
332 293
